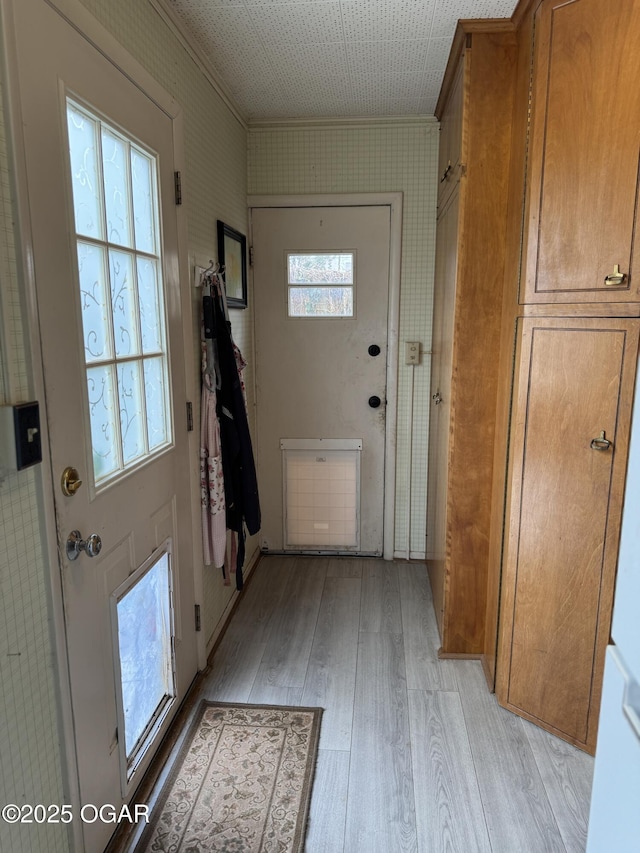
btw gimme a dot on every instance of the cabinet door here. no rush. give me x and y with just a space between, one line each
450 151
574 393
581 207
440 412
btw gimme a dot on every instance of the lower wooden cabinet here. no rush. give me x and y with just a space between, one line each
570 432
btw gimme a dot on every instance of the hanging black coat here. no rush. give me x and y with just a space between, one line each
240 481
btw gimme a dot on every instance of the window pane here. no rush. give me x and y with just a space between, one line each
131 410
115 193
116 189
321 301
103 414
321 269
155 389
87 195
123 302
96 317
143 202
150 317
144 643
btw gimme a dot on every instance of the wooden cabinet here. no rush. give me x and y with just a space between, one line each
570 433
584 143
475 111
566 390
450 150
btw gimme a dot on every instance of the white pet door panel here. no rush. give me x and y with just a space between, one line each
142 616
321 494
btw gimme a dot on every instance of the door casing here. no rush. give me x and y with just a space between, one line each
394 202
79 17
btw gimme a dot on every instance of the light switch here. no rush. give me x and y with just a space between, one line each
412 352
20 442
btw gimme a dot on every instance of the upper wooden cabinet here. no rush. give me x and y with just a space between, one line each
450 151
581 208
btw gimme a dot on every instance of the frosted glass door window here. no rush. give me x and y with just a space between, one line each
143 613
115 197
320 285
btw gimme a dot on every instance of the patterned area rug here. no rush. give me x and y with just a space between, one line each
241 783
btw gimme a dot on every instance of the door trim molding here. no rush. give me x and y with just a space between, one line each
393 201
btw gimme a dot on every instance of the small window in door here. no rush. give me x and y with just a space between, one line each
321 285
118 244
142 614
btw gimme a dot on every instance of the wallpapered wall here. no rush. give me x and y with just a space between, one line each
30 766
288 159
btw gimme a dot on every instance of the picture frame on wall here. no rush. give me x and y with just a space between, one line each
232 256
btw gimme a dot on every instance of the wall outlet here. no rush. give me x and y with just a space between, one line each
412 352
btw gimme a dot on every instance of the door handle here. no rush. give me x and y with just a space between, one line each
92 545
600 443
374 402
616 278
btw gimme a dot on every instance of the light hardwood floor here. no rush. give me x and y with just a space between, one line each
415 753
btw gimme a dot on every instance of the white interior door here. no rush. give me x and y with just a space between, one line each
321 306
105 261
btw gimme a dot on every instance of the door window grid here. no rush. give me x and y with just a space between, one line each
116 211
320 284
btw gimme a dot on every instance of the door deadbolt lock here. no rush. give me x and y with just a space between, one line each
70 481
92 545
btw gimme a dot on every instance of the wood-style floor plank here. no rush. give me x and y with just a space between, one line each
345 567
420 631
449 813
514 798
234 668
380 809
331 675
325 832
380 610
291 632
253 618
567 774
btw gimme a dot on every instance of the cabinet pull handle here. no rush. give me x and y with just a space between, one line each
616 278
600 443
446 173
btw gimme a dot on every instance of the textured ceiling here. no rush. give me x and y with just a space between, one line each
329 58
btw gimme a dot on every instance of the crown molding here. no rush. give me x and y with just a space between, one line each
342 122
179 30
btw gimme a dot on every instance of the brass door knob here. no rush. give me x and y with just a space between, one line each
70 482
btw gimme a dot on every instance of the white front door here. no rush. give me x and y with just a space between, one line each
321 279
99 180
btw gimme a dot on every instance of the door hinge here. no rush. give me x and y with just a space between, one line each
198 620
177 177
250 256
189 417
